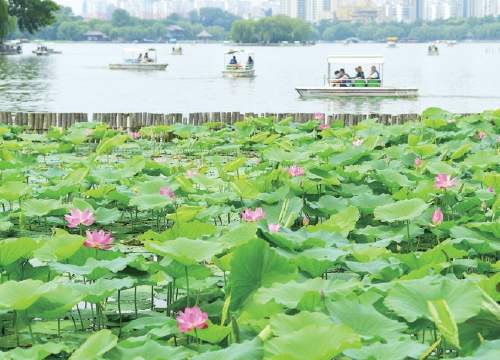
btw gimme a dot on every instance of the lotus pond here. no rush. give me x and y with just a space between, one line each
256 240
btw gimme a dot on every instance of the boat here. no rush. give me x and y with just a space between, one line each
139 59
335 87
43 50
451 43
176 51
11 48
392 41
433 50
234 67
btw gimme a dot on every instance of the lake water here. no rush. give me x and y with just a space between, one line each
464 78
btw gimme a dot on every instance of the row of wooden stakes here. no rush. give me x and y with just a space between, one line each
43 121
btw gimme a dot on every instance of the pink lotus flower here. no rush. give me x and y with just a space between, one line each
274 228
444 181
481 135
491 190
319 116
191 318
166 191
437 217
418 162
77 217
324 126
134 135
357 142
190 173
253 216
295 171
98 240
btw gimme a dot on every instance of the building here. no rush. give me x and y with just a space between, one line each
95 36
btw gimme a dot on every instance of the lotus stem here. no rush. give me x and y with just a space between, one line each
187 285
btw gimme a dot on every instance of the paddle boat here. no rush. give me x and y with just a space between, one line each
433 50
240 64
369 87
392 42
41 50
139 59
11 48
176 51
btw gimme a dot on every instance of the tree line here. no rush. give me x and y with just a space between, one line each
46 21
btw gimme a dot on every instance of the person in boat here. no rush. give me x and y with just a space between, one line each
374 74
360 74
139 59
233 61
345 79
336 81
250 62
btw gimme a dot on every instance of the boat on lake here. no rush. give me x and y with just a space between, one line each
176 51
43 50
139 59
240 64
345 86
433 50
392 42
11 48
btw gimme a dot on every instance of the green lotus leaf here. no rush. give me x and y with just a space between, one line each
106 216
102 288
312 342
343 222
444 320
248 350
365 320
14 249
400 210
36 352
40 207
60 246
147 349
256 265
186 251
13 190
150 202
409 298
20 295
395 350
95 346
282 324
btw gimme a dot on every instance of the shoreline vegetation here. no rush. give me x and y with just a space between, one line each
223 26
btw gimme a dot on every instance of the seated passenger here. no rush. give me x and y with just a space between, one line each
250 62
374 74
345 79
360 73
233 61
336 81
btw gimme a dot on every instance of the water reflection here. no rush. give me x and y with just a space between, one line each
24 83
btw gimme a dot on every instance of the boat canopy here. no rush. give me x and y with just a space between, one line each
238 51
138 50
357 60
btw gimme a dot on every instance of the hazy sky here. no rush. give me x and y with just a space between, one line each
75 4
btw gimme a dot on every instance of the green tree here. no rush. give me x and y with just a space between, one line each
4 20
243 31
121 17
32 14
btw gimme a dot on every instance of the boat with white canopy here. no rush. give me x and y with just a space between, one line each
240 64
371 86
139 59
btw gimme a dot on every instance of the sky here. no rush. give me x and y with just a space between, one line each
75 4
